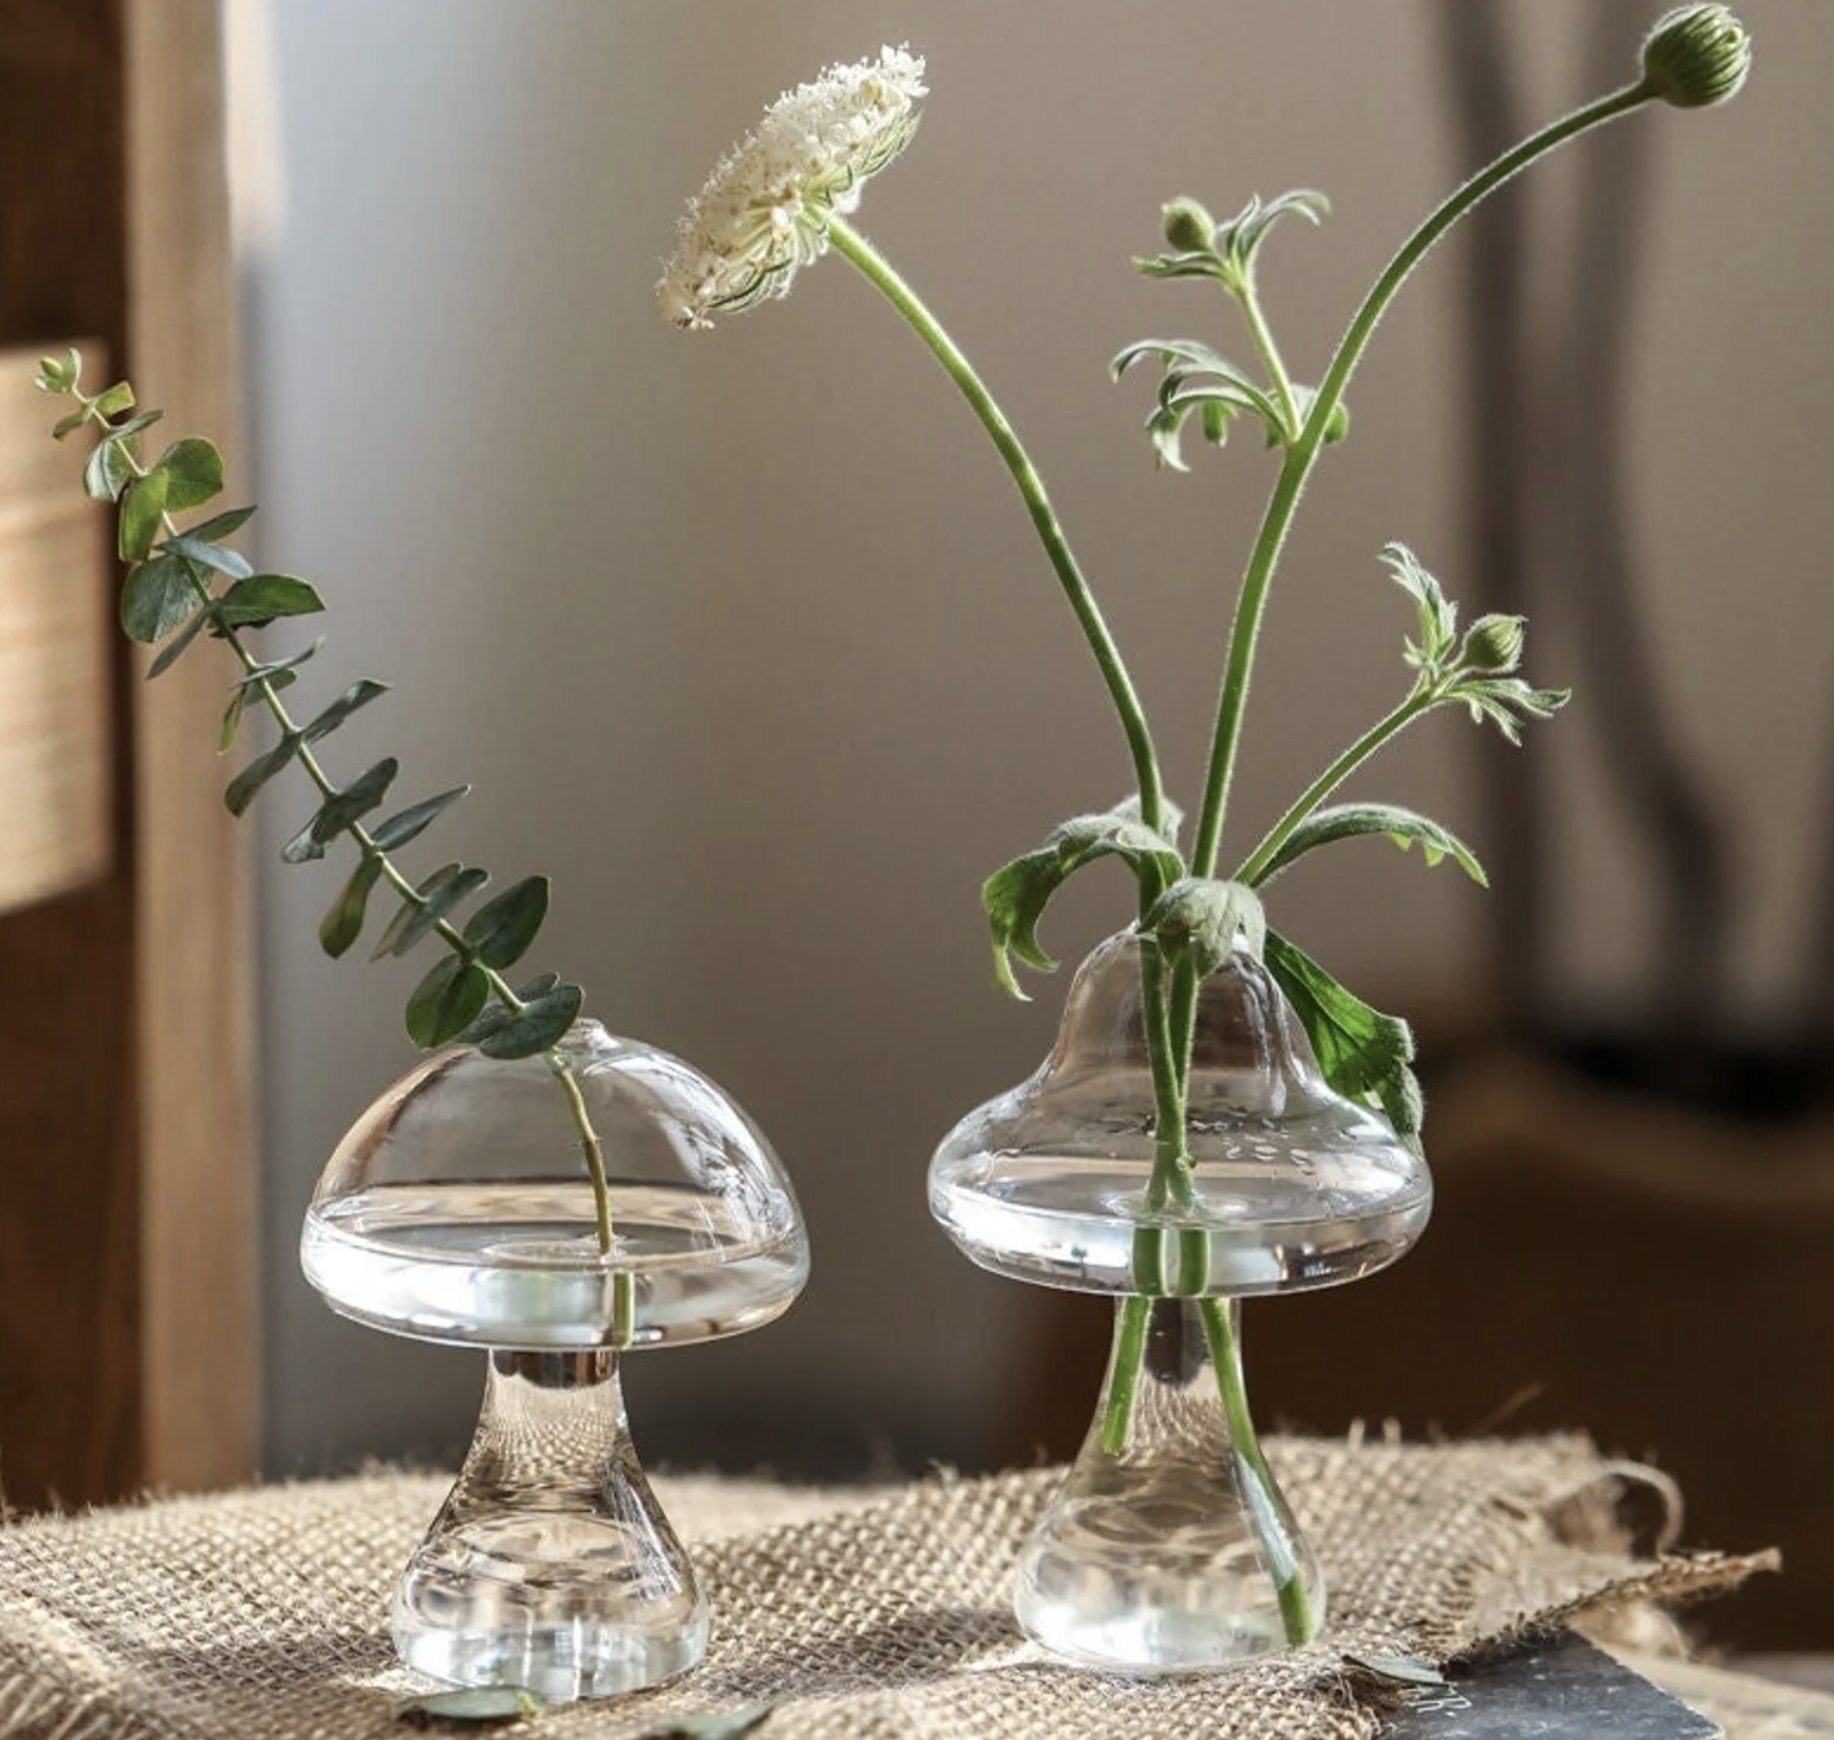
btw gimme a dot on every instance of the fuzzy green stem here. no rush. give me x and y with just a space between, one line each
855 248
1226 1359
1301 456
1254 866
1263 337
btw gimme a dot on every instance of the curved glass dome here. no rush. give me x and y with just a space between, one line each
459 1207
1296 1186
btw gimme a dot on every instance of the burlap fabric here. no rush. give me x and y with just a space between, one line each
875 1617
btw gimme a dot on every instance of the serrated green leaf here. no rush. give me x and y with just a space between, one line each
1016 895
407 824
501 930
174 649
231 563
343 924
359 694
543 1023
1403 826
447 1001
195 469
220 526
438 894
141 508
264 598
350 804
157 597
1200 918
1438 615
252 778
480 1706
1364 1054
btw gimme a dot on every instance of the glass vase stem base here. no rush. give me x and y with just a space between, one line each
551 1566
1177 1554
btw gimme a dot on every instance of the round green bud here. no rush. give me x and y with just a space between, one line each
1493 644
1696 55
1187 226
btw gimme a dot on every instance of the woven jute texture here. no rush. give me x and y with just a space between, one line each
880 1616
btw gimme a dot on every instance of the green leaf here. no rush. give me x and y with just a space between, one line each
232 720
447 1001
213 531
481 1706
252 778
59 374
1438 614
106 472
262 598
1199 919
339 810
156 598
1403 826
1016 895
278 671
206 554
543 1023
1507 702
140 512
343 924
195 470
1410 1670
1365 1055
406 824
439 893
501 930
359 694
68 425
174 649
112 401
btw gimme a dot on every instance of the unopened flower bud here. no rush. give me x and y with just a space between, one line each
1187 226
1696 55
1493 644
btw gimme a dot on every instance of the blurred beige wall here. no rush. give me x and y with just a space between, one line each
743 636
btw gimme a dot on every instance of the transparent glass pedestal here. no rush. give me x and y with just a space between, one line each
551 1565
459 1209
1169 1548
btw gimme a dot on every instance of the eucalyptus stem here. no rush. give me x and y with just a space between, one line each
1303 452
855 248
623 1292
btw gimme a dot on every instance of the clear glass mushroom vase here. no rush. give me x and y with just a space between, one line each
460 1208
1170 1547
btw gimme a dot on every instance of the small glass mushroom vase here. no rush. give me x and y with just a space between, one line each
1170 1548
459 1208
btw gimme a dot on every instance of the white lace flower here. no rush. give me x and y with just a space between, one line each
764 211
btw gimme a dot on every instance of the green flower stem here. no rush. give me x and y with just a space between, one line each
1303 453
500 988
1254 866
1124 1382
854 247
1262 334
1226 1358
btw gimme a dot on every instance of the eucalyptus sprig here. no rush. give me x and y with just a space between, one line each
183 582
781 200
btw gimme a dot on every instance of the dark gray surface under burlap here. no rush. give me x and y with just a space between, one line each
261 1614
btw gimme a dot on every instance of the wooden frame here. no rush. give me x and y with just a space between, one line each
127 1310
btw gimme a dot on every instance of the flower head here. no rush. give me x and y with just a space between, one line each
1697 55
764 211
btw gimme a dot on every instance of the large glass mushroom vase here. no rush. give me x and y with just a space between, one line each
461 1208
1169 1547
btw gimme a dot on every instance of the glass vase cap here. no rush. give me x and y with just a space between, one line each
1294 1185
460 1208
